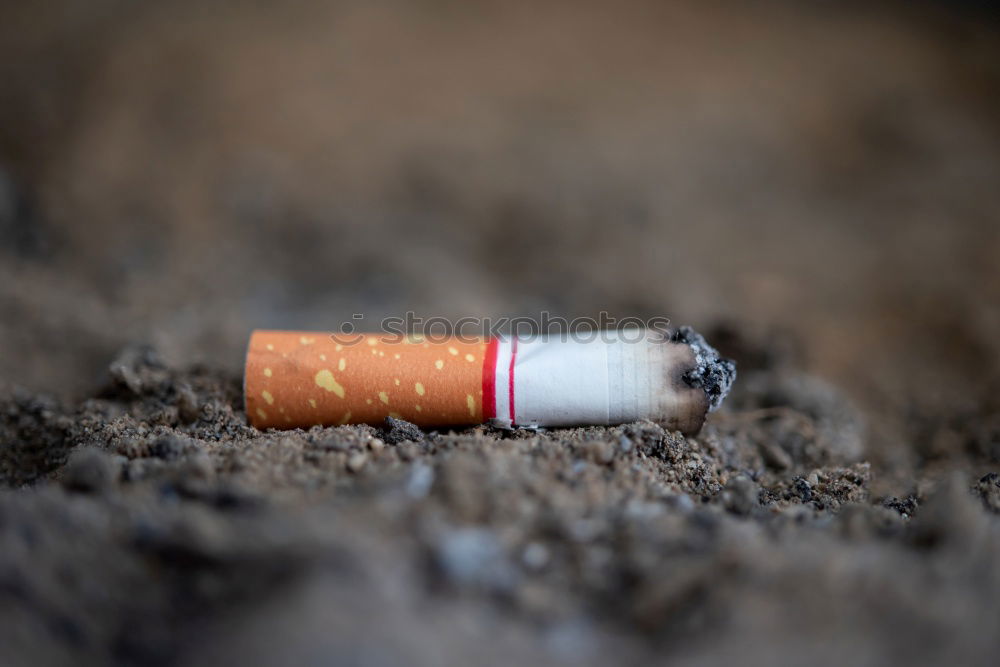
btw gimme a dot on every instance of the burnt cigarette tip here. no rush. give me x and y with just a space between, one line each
712 374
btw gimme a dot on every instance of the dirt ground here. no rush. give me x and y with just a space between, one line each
812 185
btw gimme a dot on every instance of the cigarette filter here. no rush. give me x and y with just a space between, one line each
300 379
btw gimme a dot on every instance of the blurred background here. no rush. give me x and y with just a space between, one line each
816 185
183 172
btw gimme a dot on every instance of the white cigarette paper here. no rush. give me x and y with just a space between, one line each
612 378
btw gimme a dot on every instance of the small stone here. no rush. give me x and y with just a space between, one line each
356 461
400 430
187 404
802 489
906 507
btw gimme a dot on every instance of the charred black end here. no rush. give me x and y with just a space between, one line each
711 373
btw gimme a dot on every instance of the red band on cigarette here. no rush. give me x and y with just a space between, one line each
490 380
510 376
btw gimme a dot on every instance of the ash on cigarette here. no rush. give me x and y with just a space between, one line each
812 184
712 374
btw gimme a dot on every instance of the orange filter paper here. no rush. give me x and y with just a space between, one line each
300 379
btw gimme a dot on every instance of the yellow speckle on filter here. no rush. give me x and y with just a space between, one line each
396 380
471 402
267 372
384 397
373 341
395 415
339 347
312 402
452 351
325 379
346 418
418 408
374 352
322 357
381 353
306 341
267 397
368 401
270 347
261 414
469 357
439 364
420 389
396 356
342 364
413 339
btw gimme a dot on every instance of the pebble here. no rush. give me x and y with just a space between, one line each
356 461
188 409
400 430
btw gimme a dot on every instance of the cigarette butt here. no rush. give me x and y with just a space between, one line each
300 379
